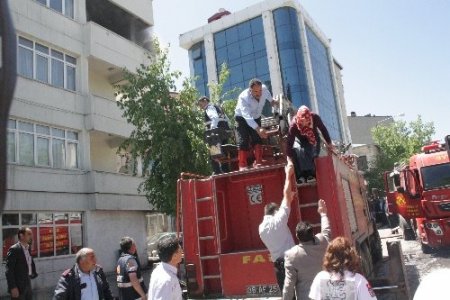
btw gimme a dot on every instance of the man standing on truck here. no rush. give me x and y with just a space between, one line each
303 261
248 112
274 231
215 118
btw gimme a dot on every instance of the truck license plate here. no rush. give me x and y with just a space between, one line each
263 290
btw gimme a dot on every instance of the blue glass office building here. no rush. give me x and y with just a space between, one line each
278 44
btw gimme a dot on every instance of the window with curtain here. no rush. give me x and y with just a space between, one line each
35 144
37 61
65 7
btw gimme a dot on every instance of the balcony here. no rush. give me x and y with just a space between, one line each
112 49
35 188
114 191
106 116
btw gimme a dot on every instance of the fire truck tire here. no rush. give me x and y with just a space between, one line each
427 249
376 250
366 259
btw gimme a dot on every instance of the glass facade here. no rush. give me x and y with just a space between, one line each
290 54
243 48
198 58
324 85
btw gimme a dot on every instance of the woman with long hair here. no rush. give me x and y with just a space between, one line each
340 279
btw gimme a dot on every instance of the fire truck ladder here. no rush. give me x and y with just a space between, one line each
308 202
208 240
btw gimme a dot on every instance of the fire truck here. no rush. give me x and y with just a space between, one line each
219 217
420 193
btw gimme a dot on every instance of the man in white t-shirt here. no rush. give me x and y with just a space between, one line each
331 286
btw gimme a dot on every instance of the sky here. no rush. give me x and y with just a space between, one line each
395 54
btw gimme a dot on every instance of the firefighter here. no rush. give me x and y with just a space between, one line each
215 118
248 112
305 128
129 277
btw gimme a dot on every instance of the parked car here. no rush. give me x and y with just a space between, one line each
152 246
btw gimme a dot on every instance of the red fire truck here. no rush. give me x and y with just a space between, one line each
219 217
420 193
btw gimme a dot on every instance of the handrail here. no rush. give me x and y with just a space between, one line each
8 77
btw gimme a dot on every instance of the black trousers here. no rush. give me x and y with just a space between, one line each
279 272
245 134
216 166
24 294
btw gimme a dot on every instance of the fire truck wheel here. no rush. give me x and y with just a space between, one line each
427 249
366 259
376 250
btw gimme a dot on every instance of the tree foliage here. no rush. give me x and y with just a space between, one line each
397 142
169 131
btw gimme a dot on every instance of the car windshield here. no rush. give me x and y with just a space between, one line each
437 176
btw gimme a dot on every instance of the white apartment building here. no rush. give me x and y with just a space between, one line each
65 179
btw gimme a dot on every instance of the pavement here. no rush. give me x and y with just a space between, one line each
417 264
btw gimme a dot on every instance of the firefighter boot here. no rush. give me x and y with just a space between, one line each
258 155
242 157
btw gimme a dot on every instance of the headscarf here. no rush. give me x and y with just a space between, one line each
304 114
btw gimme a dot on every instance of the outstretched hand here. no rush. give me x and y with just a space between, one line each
322 209
288 191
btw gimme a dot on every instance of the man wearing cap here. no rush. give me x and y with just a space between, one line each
215 118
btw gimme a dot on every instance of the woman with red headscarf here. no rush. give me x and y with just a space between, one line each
305 128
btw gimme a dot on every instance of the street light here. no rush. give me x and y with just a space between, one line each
390 118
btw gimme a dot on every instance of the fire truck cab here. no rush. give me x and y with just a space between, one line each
420 193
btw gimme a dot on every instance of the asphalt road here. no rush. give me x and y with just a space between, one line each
417 264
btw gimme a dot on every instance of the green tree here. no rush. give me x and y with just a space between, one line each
397 143
168 133
228 99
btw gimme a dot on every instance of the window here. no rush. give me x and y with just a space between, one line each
290 54
362 163
323 82
64 7
40 145
47 65
54 233
436 177
243 48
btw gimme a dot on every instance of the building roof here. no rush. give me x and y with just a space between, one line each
361 126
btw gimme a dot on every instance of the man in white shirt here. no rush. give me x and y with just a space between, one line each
248 112
274 231
164 284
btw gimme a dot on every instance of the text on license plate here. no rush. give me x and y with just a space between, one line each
263 290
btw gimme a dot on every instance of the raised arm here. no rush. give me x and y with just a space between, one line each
318 122
289 183
324 221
